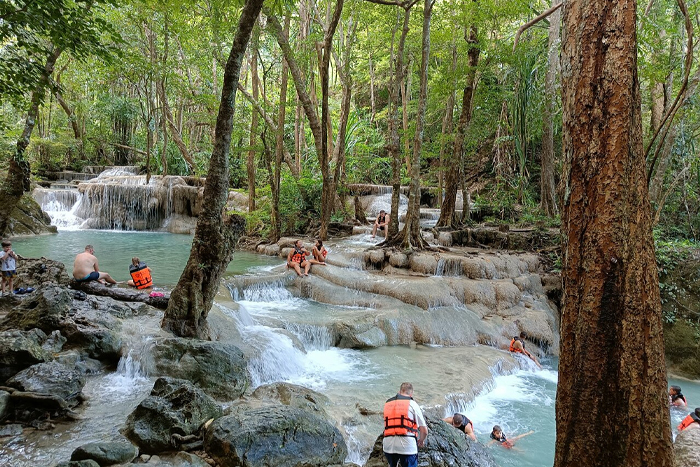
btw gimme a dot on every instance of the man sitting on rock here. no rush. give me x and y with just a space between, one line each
85 268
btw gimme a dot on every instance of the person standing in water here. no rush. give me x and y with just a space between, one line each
405 429
676 398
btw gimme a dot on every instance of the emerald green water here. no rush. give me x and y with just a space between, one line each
166 254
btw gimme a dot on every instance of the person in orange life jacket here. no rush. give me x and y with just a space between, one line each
691 422
517 345
462 423
140 274
296 259
319 253
381 223
405 429
497 436
676 398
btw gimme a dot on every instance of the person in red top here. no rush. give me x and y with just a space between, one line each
296 259
319 253
691 422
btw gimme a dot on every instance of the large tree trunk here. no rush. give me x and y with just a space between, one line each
612 406
448 216
17 181
548 195
255 83
279 147
216 234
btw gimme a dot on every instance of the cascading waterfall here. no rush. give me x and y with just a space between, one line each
60 205
449 267
313 337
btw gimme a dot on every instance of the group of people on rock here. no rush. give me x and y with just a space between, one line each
297 258
677 399
86 268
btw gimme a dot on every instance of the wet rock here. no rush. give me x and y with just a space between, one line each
398 259
685 448
93 330
27 218
50 378
375 258
20 350
174 407
44 309
83 463
218 368
423 263
445 447
14 429
293 396
279 435
106 453
54 343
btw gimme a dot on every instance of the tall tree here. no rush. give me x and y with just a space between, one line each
548 199
255 83
612 406
216 233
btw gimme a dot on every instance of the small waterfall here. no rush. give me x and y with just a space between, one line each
448 267
264 292
130 367
119 171
60 205
313 337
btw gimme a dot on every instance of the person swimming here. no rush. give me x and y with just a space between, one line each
497 436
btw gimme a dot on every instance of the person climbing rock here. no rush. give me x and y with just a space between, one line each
517 345
405 429
462 423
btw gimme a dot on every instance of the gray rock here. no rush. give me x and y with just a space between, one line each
83 463
20 350
106 453
292 396
50 378
219 369
4 403
33 271
685 448
44 309
445 447
398 259
279 435
54 343
14 429
27 218
174 407
94 330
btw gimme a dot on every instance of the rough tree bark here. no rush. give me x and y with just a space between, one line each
216 233
612 406
17 181
548 195
448 217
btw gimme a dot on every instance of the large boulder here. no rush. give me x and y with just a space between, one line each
27 218
292 396
45 309
34 271
218 368
276 435
685 448
174 407
20 350
50 378
95 331
445 447
107 453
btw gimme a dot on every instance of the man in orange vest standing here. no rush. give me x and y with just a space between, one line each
404 428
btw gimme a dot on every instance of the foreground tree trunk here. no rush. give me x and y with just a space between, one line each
216 234
612 406
17 181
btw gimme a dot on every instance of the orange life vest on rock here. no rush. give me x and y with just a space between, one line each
513 349
396 420
298 256
689 420
141 277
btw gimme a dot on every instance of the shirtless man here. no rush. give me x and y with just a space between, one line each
85 268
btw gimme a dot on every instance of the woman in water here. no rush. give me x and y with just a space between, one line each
497 436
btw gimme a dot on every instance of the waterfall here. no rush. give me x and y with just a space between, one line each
451 267
60 205
267 292
313 337
130 368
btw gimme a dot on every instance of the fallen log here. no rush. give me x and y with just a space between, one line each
122 294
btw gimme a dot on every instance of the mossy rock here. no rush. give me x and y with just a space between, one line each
28 219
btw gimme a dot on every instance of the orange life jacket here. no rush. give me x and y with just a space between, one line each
298 256
689 420
513 349
396 420
141 277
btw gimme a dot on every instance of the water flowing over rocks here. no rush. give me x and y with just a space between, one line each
83 463
445 447
282 436
175 407
106 453
685 448
218 368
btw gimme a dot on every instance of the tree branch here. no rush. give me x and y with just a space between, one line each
534 21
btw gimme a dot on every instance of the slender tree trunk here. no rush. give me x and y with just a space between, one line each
448 217
279 146
255 83
405 96
372 100
612 405
17 181
447 122
216 233
548 196
71 116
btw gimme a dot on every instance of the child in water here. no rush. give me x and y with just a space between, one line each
497 436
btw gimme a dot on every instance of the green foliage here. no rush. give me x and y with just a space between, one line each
671 252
